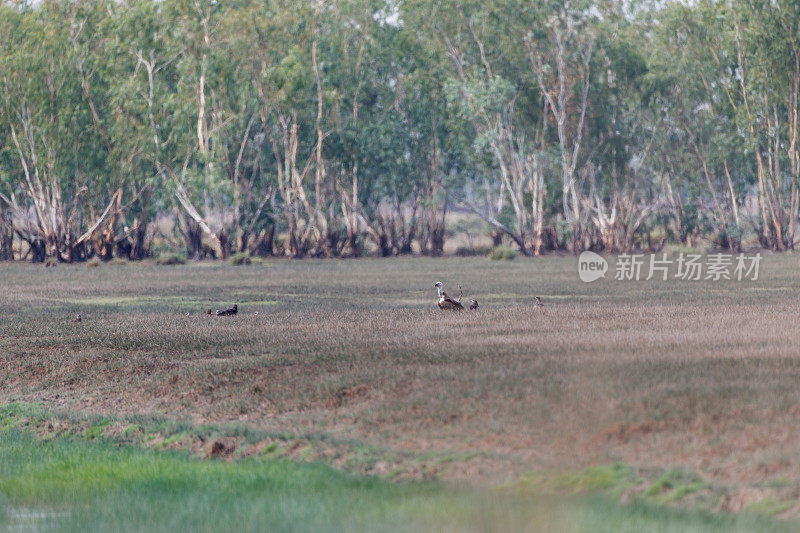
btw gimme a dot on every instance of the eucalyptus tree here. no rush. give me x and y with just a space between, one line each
483 84
8 24
132 52
621 194
57 169
106 39
277 60
201 186
150 120
580 124
730 92
765 35
560 51
400 137
365 70
688 89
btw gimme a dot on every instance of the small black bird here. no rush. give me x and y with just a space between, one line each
232 311
538 302
473 305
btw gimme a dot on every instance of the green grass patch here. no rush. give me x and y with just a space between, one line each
147 300
14 415
96 430
674 485
768 506
608 479
72 485
78 485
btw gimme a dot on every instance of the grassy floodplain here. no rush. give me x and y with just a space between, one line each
690 386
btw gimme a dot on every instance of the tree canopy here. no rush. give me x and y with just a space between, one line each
333 127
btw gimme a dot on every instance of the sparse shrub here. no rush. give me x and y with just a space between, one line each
361 247
119 261
170 258
241 258
161 246
281 244
503 252
256 260
563 233
93 262
678 249
468 251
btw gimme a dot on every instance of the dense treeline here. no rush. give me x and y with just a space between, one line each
324 128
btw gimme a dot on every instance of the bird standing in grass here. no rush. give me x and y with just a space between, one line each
77 318
445 302
228 312
473 305
538 302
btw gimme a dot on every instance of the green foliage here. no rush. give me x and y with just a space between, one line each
214 110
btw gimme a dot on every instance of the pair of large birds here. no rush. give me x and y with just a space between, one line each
448 304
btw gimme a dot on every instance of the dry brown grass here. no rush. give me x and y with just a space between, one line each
658 374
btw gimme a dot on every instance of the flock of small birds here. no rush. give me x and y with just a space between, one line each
225 312
445 303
